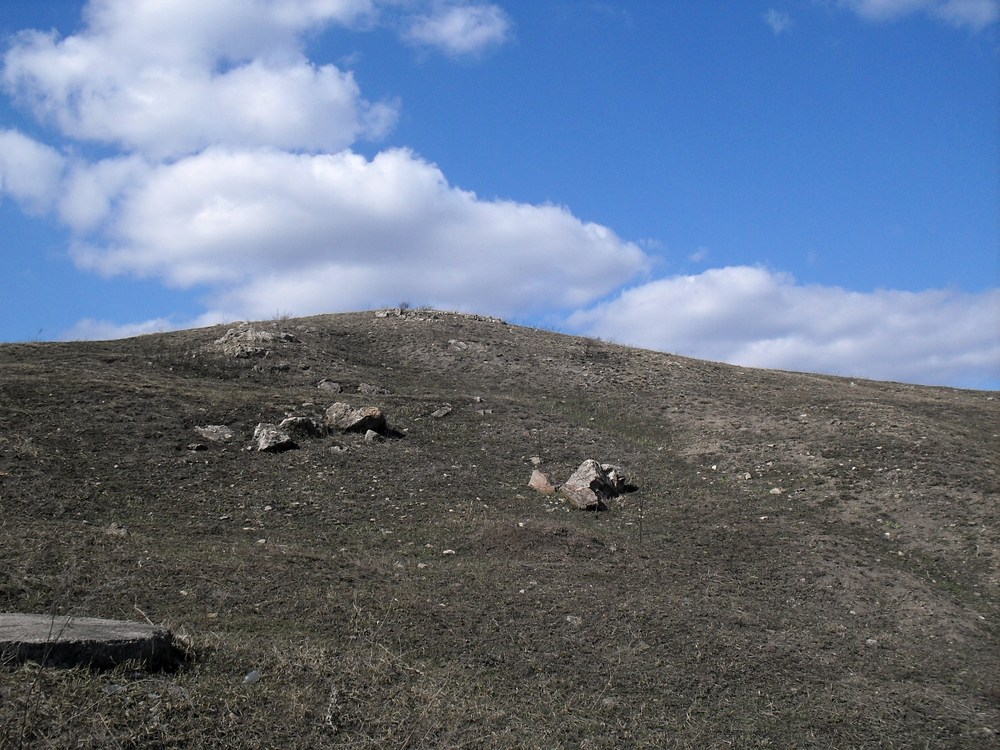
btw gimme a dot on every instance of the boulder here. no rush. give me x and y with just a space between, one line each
346 418
540 483
271 439
85 642
590 486
302 427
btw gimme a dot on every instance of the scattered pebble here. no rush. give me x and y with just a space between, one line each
251 677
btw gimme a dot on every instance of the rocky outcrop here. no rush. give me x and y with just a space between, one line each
246 341
346 418
271 439
592 485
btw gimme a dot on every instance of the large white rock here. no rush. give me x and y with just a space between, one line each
591 486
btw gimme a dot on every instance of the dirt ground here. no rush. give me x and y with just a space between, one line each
807 561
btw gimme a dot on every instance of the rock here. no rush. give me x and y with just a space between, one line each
195 447
441 412
457 346
617 477
345 417
245 341
85 642
372 390
373 437
540 483
215 432
328 385
271 439
302 427
590 486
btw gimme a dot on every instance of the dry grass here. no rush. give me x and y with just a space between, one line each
855 608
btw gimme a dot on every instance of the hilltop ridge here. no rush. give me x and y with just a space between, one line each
807 560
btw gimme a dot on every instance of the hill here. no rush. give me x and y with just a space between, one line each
805 561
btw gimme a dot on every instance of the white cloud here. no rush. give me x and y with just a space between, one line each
777 20
460 29
270 230
30 172
975 14
166 79
92 329
755 317
234 173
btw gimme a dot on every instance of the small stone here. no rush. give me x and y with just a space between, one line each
373 437
540 483
776 490
448 552
251 677
441 412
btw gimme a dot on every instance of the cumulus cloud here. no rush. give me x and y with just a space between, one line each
30 172
234 172
974 14
167 79
755 317
267 229
460 29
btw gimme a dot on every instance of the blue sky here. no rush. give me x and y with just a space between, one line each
800 184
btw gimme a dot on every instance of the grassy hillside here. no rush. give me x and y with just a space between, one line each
808 561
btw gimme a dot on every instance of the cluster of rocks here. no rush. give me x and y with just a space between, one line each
248 341
370 421
270 437
591 487
423 313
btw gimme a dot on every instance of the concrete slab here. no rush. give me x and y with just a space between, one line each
84 641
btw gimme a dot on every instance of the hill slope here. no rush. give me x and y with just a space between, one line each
807 561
